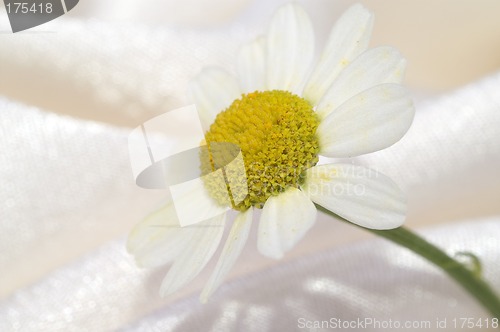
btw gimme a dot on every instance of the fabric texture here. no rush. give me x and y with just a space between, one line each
68 197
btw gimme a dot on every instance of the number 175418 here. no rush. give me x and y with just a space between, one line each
25 8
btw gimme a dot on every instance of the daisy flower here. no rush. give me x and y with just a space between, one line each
282 113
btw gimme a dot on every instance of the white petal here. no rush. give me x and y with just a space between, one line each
192 193
233 247
349 37
205 238
212 91
360 195
157 239
251 66
284 221
290 48
373 67
368 122
164 251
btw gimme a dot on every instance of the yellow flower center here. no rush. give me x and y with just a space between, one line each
276 133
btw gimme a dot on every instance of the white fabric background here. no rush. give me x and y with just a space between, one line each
68 198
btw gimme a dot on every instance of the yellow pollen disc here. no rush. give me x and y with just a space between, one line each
276 132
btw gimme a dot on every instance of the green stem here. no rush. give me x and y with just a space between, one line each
469 280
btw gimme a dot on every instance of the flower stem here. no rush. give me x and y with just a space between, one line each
471 281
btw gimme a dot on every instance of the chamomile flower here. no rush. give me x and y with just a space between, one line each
282 113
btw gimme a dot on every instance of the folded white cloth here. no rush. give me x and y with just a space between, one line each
68 198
